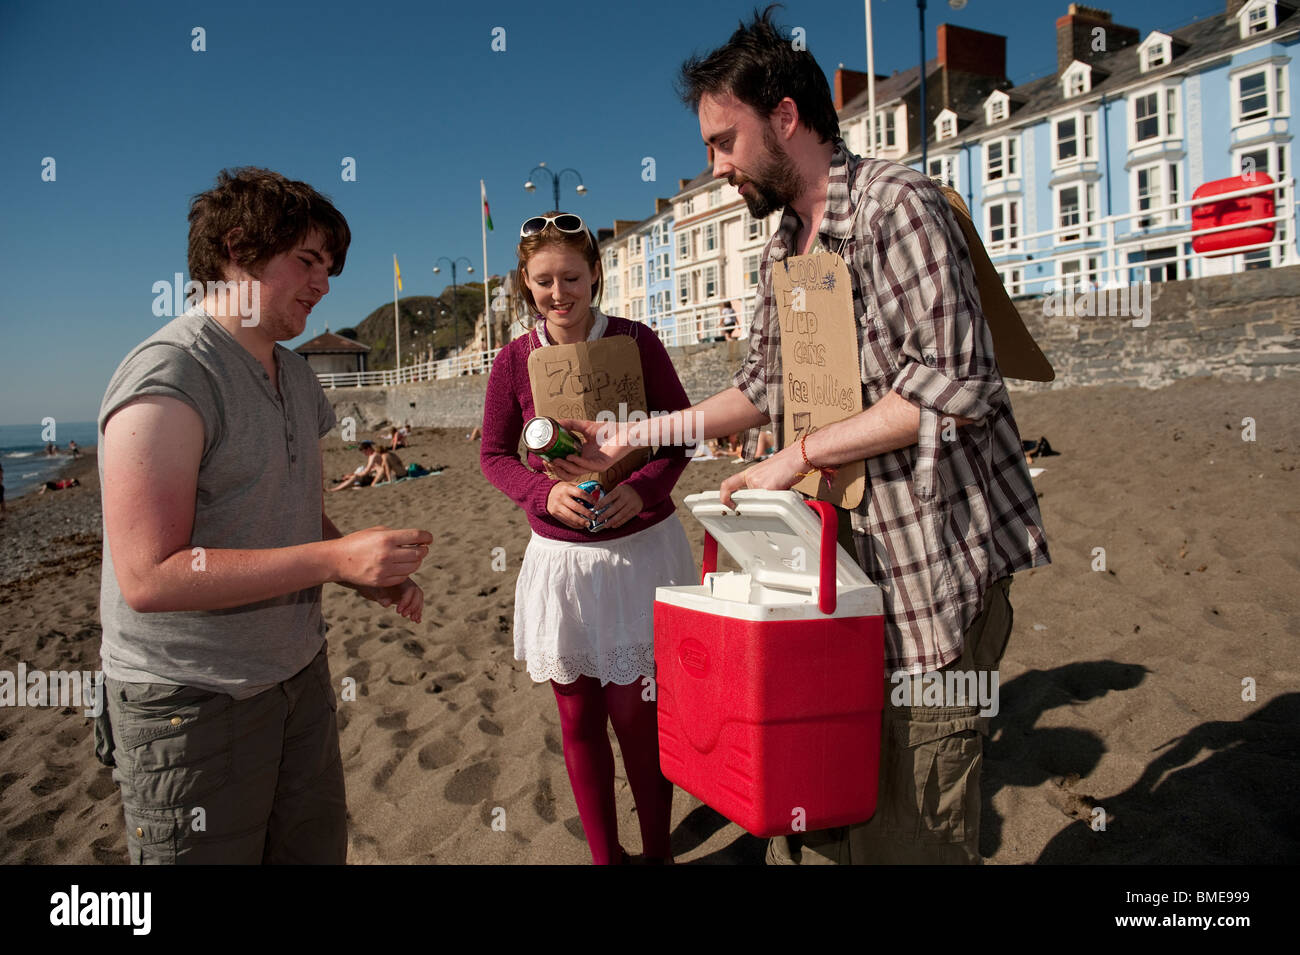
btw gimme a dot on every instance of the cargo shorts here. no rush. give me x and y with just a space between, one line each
208 779
928 803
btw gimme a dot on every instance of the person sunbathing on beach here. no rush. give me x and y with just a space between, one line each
59 485
365 473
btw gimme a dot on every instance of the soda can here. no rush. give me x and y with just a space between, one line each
595 490
546 439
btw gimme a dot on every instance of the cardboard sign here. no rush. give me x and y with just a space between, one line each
819 362
584 379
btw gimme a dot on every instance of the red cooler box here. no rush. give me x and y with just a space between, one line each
770 679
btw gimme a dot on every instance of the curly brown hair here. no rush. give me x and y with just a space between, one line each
259 214
583 243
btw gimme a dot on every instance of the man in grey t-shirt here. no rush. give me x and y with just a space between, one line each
220 707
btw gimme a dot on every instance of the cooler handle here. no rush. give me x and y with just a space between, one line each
826 569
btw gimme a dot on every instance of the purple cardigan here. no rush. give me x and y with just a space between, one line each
509 405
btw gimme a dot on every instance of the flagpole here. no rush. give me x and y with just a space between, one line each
397 326
487 302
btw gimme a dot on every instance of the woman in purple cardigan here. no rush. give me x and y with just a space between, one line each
584 602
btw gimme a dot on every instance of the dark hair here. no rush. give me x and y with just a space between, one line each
760 66
583 243
365 444
268 215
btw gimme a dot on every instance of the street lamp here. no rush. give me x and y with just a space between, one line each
469 268
530 186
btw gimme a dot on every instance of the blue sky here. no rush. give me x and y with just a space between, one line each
137 122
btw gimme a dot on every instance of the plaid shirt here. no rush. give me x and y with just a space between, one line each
942 519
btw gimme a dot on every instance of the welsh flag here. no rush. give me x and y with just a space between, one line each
487 213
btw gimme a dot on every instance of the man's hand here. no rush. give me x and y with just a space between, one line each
780 472
407 596
619 506
379 557
604 443
563 505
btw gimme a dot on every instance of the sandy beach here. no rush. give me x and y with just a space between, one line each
1122 688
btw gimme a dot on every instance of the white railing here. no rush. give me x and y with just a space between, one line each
474 363
1111 240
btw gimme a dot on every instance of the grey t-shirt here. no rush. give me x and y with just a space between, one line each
259 486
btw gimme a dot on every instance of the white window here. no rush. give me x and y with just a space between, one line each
944 169
710 237
996 108
1076 206
1002 225
613 258
634 245
1013 279
663 267
1155 115
751 271
715 196
1155 51
638 276
683 245
1259 94
1078 273
1272 160
753 227
1000 160
1077 79
1259 16
688 206
945 127
1075 141
886 133
711 282
683 288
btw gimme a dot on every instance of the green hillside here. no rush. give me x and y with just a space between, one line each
423 318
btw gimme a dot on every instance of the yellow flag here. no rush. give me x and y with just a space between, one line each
398 273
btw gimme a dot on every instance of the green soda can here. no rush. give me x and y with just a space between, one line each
546 439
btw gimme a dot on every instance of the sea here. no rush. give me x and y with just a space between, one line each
22 451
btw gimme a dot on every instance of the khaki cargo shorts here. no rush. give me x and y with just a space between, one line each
209 779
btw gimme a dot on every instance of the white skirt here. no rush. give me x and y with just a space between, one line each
588 608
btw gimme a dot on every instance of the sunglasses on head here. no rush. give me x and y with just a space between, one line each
565 222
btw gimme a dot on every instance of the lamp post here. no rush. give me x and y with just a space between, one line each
469 268
530 186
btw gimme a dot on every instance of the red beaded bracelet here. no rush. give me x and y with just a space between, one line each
827 473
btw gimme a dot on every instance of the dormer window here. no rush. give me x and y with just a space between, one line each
996 108
1156 51
1258 16
1077 79
945 126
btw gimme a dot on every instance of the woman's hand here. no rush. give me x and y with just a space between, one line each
619 506
563 504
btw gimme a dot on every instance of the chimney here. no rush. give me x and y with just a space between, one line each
682 184
1088 34
1234 7
622 225
662 205
603 235
848 84
972 51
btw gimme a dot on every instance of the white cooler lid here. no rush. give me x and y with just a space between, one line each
762 535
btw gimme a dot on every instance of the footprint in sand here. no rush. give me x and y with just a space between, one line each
544 800
439 753
107 851
50 784
487 697
472 784
102 786
553 744
574 825
392 721
36 826
487 726
381 777
414 647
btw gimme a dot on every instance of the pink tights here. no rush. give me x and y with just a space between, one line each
585 706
